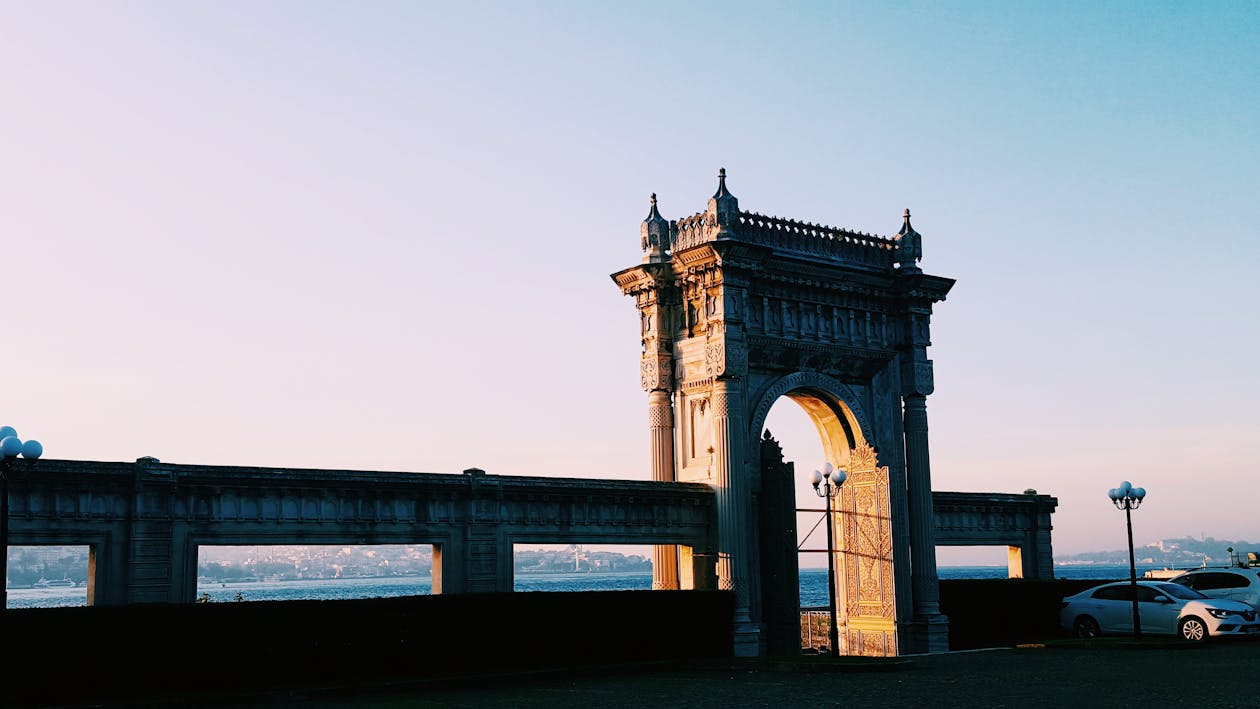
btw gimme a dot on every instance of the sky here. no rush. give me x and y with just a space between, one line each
379 235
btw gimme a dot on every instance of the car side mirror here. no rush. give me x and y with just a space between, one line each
1163 599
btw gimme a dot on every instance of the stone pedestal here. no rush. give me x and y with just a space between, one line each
926 635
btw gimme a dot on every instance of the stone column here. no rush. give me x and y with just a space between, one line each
734 503
922 543
919 482
924 581
661 426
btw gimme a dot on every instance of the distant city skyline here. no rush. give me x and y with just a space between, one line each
379 236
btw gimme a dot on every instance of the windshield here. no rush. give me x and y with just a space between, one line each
1179 591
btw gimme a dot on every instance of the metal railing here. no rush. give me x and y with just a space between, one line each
815 629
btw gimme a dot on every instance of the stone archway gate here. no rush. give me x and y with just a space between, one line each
738 309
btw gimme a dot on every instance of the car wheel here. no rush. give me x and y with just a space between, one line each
1086 627
1191 628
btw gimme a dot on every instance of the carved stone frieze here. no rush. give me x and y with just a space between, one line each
780 354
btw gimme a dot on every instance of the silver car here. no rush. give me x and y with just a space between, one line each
1234 583
1164 608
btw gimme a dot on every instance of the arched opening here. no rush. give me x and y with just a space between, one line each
820 426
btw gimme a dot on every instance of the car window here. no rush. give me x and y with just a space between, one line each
1146 594
1235 581
1113 593
1211 580
1177 591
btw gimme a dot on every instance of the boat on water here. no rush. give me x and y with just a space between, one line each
1252 560
1163 574
55 583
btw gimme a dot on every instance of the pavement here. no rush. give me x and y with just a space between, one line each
1078 674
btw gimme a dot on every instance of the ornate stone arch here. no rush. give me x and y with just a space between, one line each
829 387
736 309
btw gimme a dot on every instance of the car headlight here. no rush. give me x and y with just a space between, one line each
1218 613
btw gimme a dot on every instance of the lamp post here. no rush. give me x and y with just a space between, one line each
827 484
1129 498
10 447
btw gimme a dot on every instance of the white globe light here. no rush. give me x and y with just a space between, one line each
838 477
815 478
6 431
827 468
1139 493
10 446
1114 493
1125 488
32 449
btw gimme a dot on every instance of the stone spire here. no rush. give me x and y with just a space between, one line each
723 209
910 246
654 233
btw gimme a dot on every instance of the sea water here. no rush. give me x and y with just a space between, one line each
813 585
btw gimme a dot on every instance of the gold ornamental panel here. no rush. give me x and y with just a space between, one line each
864 538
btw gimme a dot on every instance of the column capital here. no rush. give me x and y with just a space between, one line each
656 371
916 377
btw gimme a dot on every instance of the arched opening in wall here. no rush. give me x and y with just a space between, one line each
788 424
313 572
581 567
972 562
47 576
820 427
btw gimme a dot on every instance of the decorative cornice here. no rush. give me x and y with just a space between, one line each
644 276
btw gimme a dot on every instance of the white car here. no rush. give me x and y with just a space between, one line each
1234 583
1164 608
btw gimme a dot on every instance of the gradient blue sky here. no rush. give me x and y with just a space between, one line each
378 235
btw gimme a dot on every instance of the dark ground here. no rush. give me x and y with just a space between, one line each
1110 672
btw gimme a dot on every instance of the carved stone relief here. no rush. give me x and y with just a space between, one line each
648 372
714 359
654 371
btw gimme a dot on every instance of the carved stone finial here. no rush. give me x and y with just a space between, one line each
654 235
723 209
909 247
721 190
